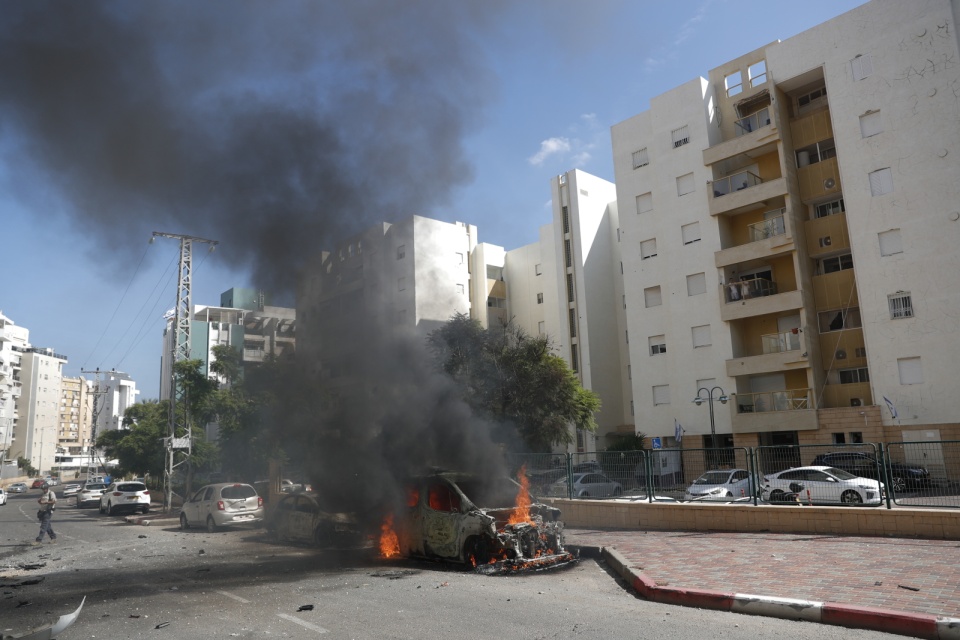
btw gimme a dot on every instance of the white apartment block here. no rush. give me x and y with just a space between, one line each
789 233
13 339
115 393
41 371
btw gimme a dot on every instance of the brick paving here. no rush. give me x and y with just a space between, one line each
861 571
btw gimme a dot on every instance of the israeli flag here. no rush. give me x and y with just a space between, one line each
677 431
893 409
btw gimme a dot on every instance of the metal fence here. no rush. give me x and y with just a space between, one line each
903 473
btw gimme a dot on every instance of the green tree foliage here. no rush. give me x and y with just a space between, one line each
514 380
631 442
24 463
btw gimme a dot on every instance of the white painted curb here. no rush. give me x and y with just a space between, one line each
786 608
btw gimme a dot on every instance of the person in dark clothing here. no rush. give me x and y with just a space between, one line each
47 502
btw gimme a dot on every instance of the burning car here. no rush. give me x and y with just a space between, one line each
487 523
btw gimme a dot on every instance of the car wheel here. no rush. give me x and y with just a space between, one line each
777 496
146 509
109 508
322 536
899 484
101 507
851 497
184 525
476 551
583 494
211 525
79 504
729 494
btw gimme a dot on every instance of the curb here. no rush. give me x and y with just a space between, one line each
149 519
917 625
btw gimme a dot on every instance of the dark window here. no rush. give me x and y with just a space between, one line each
237 492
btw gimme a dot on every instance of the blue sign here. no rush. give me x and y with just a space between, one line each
655 443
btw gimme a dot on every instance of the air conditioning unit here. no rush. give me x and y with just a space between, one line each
829 183
856 402
842 355
825 241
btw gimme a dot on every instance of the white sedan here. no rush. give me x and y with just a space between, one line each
3 497
587 485
721 484
821 485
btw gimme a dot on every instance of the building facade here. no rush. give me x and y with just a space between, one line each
41 371
792 222
76 416
13 339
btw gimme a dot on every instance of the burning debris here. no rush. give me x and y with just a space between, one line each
443 521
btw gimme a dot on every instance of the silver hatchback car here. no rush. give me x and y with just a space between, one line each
222 504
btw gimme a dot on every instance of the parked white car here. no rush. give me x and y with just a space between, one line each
90 494
3 497
18 487
827 485
125 496
721 484
587 485
222 504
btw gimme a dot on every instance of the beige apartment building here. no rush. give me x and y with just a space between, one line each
791 238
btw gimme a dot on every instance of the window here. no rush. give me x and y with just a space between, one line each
572 321
854 376
539 298
541 328
890 242
900 305
658 345
644 202
733 83
568 253
862 67
696 284
680 136
839 319
870 124
838 263
566 219
661 394
910 370
829 208
685 185
690 232
401 284
648 248
860 352
640 158
569 287
651 297
401 251
458 258
460 289
881 182
574 358
812 98
538 270
757 73
701 336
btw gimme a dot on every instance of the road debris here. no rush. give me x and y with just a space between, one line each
48 631
305 607
162 625
903 586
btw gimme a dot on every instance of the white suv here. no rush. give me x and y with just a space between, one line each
222 504
126 496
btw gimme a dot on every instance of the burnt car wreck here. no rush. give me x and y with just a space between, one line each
489 524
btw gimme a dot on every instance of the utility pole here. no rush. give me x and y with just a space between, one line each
179 352
94 419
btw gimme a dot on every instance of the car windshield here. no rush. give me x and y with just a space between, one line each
840 473
131 487
94 487
713 477
490 492
237 491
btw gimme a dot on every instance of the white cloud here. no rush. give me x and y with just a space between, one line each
549 147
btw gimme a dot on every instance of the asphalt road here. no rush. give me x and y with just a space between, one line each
158 582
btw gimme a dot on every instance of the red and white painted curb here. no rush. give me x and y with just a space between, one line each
917 625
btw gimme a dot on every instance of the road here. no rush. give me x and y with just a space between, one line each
159 582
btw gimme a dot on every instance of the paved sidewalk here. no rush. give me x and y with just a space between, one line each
887 574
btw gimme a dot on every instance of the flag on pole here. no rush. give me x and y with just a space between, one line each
677 431
893 409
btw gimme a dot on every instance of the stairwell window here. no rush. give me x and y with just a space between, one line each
401 251
881 182
648 248
640 158
539 298
901 306
680 136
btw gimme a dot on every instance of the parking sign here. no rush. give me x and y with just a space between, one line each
655 443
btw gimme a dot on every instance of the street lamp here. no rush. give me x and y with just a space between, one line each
699 400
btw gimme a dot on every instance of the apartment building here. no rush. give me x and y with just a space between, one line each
789 231
13 339
115 392
38 407
76 415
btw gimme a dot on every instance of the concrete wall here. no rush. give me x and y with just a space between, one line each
862 521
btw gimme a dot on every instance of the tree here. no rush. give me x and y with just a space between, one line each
513 379
24 463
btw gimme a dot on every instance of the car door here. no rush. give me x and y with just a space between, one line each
192 508
822 487
740 483
441 533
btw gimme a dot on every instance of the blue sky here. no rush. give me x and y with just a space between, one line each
538 83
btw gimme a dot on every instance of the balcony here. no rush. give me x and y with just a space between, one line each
752 123
736 182
827 235
767 401
781 342
748 289
769 228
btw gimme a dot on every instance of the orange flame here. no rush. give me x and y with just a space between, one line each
389 543
521 513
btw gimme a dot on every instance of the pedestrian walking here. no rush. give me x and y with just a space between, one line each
47 502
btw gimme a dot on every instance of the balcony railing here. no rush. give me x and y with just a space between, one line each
743 126
735 182
788 400
747 289
781 342
768 228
